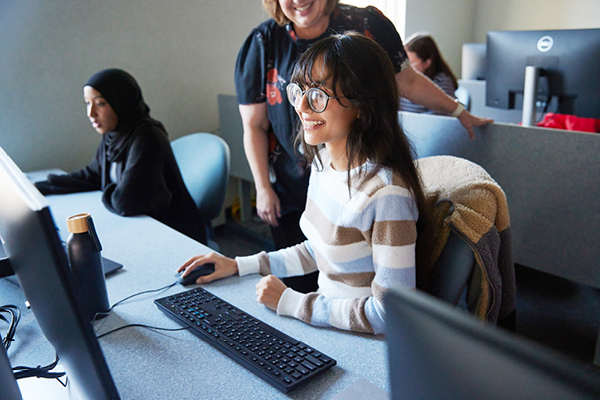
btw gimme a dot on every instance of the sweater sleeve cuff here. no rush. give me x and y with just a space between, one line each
248 265
290 303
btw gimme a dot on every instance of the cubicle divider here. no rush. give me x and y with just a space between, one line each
551 181
475 92
550 177
231 130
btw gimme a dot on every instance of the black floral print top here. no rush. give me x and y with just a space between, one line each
263 68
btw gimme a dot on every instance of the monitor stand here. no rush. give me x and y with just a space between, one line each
530 95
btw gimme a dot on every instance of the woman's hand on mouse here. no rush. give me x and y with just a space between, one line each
224 266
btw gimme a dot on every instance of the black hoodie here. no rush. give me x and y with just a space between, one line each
147 178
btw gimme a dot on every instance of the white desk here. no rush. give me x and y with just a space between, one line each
147 364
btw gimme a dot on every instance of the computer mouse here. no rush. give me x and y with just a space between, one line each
190 279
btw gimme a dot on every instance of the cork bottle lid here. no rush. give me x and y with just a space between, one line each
78 223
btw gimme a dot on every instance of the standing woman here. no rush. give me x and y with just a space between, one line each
364 196
425 57
134 165
263 69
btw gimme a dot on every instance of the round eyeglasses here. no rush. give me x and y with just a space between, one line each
317 98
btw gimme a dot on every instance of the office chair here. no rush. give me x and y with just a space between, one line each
204 161
452 271
464 240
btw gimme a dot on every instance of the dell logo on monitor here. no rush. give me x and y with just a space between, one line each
545 43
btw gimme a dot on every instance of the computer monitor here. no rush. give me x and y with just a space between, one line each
437 351
473 61
8 383
566 62
35 252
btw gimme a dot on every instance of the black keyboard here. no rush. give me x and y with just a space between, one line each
275 357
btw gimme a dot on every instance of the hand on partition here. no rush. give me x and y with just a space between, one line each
269 291
470 121
224 266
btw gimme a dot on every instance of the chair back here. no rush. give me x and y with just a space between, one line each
204 162
452 270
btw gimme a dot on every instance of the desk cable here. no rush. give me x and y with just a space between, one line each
20 372
40 372
155 328
14 314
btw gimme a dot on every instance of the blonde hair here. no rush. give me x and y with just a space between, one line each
275 11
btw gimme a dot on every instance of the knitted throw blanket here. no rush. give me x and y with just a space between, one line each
461 196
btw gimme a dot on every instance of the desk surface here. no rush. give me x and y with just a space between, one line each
148 364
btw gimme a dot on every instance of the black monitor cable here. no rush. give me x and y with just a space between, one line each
546 105
21 372
14 315
13 318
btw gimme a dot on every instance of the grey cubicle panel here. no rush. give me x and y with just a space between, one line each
230 127
552 182
476 90
231 130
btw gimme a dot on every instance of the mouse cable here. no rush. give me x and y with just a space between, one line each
152 328
131 296
13 320
136 325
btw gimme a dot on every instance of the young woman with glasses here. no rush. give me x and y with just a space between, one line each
263 69
364 195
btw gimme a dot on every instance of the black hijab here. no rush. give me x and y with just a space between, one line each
124 95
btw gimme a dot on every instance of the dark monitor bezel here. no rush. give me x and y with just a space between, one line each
40 263
438 351
569 69
8 383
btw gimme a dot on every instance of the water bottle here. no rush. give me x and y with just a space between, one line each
83 248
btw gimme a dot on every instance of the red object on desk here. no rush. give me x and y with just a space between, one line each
570 123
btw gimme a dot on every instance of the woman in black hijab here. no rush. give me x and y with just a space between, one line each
134 165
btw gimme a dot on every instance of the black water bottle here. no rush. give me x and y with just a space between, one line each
83 247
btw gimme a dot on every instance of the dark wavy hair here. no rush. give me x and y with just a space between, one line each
274 10
359 69
423 45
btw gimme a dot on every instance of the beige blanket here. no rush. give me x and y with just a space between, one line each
461 196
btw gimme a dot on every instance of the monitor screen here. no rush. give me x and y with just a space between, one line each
568 62
35 252
436 351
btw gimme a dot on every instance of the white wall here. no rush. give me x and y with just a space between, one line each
450 22
534 15
454 22
182 53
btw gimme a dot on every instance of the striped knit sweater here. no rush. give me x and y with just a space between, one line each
362 244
